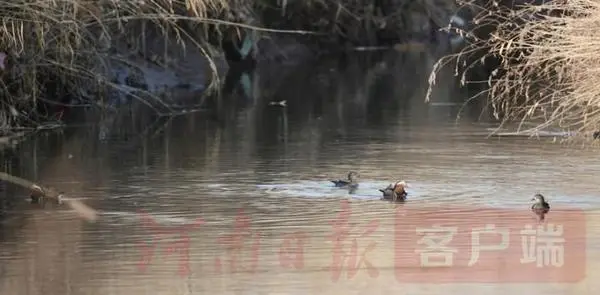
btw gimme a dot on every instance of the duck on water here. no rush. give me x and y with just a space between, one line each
540 207
395 192
351 183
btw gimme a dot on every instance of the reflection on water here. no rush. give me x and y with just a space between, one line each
263 172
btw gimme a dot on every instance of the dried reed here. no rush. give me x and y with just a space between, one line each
548 63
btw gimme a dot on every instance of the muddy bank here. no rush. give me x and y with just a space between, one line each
170 57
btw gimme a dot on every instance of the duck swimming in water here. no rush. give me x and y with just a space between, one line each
350 183
540 207
395 192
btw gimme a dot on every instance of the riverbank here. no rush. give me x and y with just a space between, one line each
542 63
60 57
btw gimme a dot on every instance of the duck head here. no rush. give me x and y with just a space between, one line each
538 198
400 186
352 176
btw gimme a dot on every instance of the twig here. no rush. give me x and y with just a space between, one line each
46 192
12 137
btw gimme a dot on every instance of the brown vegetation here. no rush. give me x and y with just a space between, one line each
55 47
547 62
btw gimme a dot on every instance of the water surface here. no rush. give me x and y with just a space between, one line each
271 167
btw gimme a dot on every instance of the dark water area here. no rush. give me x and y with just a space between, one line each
271 166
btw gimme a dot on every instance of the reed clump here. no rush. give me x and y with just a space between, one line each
547 62
56 49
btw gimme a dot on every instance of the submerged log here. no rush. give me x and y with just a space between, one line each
39 193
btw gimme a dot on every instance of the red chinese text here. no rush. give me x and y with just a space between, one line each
291 253
182 245
354 260
235 243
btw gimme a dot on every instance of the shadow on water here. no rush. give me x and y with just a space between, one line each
362 112
362 88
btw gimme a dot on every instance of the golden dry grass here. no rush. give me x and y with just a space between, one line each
548 62
65 42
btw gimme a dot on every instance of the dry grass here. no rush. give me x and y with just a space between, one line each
63 44
548 62
60 48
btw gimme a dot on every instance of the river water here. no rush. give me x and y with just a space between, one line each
262 173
